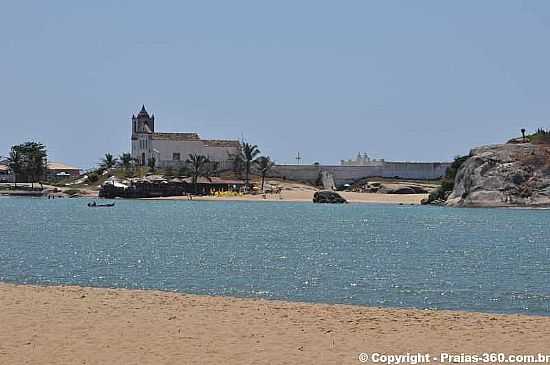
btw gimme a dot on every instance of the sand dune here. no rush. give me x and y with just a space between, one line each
73 325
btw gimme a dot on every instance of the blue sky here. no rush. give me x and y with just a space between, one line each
400 80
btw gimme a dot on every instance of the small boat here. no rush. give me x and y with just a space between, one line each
95 205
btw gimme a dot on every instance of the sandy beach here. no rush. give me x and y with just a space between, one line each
74 325
306 195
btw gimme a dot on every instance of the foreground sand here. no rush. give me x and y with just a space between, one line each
72 325
307 196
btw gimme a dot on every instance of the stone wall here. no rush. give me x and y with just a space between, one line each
348 174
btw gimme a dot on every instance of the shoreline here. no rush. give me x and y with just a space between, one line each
72 324
269 300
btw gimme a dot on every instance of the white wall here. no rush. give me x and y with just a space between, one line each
216 153
167 148
348 174
143 144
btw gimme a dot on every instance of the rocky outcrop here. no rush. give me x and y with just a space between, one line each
328 197
393 187
408 189
507 175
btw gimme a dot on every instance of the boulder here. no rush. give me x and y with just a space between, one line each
514 174
328 197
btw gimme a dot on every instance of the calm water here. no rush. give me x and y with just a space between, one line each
425 257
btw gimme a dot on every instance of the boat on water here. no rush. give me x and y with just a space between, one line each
95 205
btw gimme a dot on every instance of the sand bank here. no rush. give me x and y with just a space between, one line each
307 196
73 325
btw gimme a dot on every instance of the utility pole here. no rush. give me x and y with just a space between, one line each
298 158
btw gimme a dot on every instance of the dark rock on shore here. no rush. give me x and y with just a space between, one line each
328 197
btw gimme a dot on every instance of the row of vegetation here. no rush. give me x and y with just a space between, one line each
245 162
541 136
28 162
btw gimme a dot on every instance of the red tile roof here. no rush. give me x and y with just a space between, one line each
221 143
176 136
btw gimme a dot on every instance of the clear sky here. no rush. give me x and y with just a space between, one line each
400 80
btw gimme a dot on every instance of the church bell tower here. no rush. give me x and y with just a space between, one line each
143 123
143 127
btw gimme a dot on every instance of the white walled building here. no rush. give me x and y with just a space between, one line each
362 160
173 149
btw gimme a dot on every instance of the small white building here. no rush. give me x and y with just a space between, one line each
173 149
362 160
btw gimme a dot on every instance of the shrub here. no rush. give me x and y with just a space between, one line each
183 171
169 171
448 182
93 177
542 136
72 191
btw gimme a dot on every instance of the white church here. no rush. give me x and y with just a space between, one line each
173 149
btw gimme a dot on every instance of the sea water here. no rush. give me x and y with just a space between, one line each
491 260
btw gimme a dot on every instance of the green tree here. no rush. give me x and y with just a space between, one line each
15 163
249 152
126 161
263 164
108 161
38 162
198 166
29 161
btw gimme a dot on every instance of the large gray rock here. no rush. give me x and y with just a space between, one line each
504 176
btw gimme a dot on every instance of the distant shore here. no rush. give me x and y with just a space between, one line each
75 325
290 192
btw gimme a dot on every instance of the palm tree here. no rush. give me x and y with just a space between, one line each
125 160
108 162
249 153
263 164
237 163
198 167
15 163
